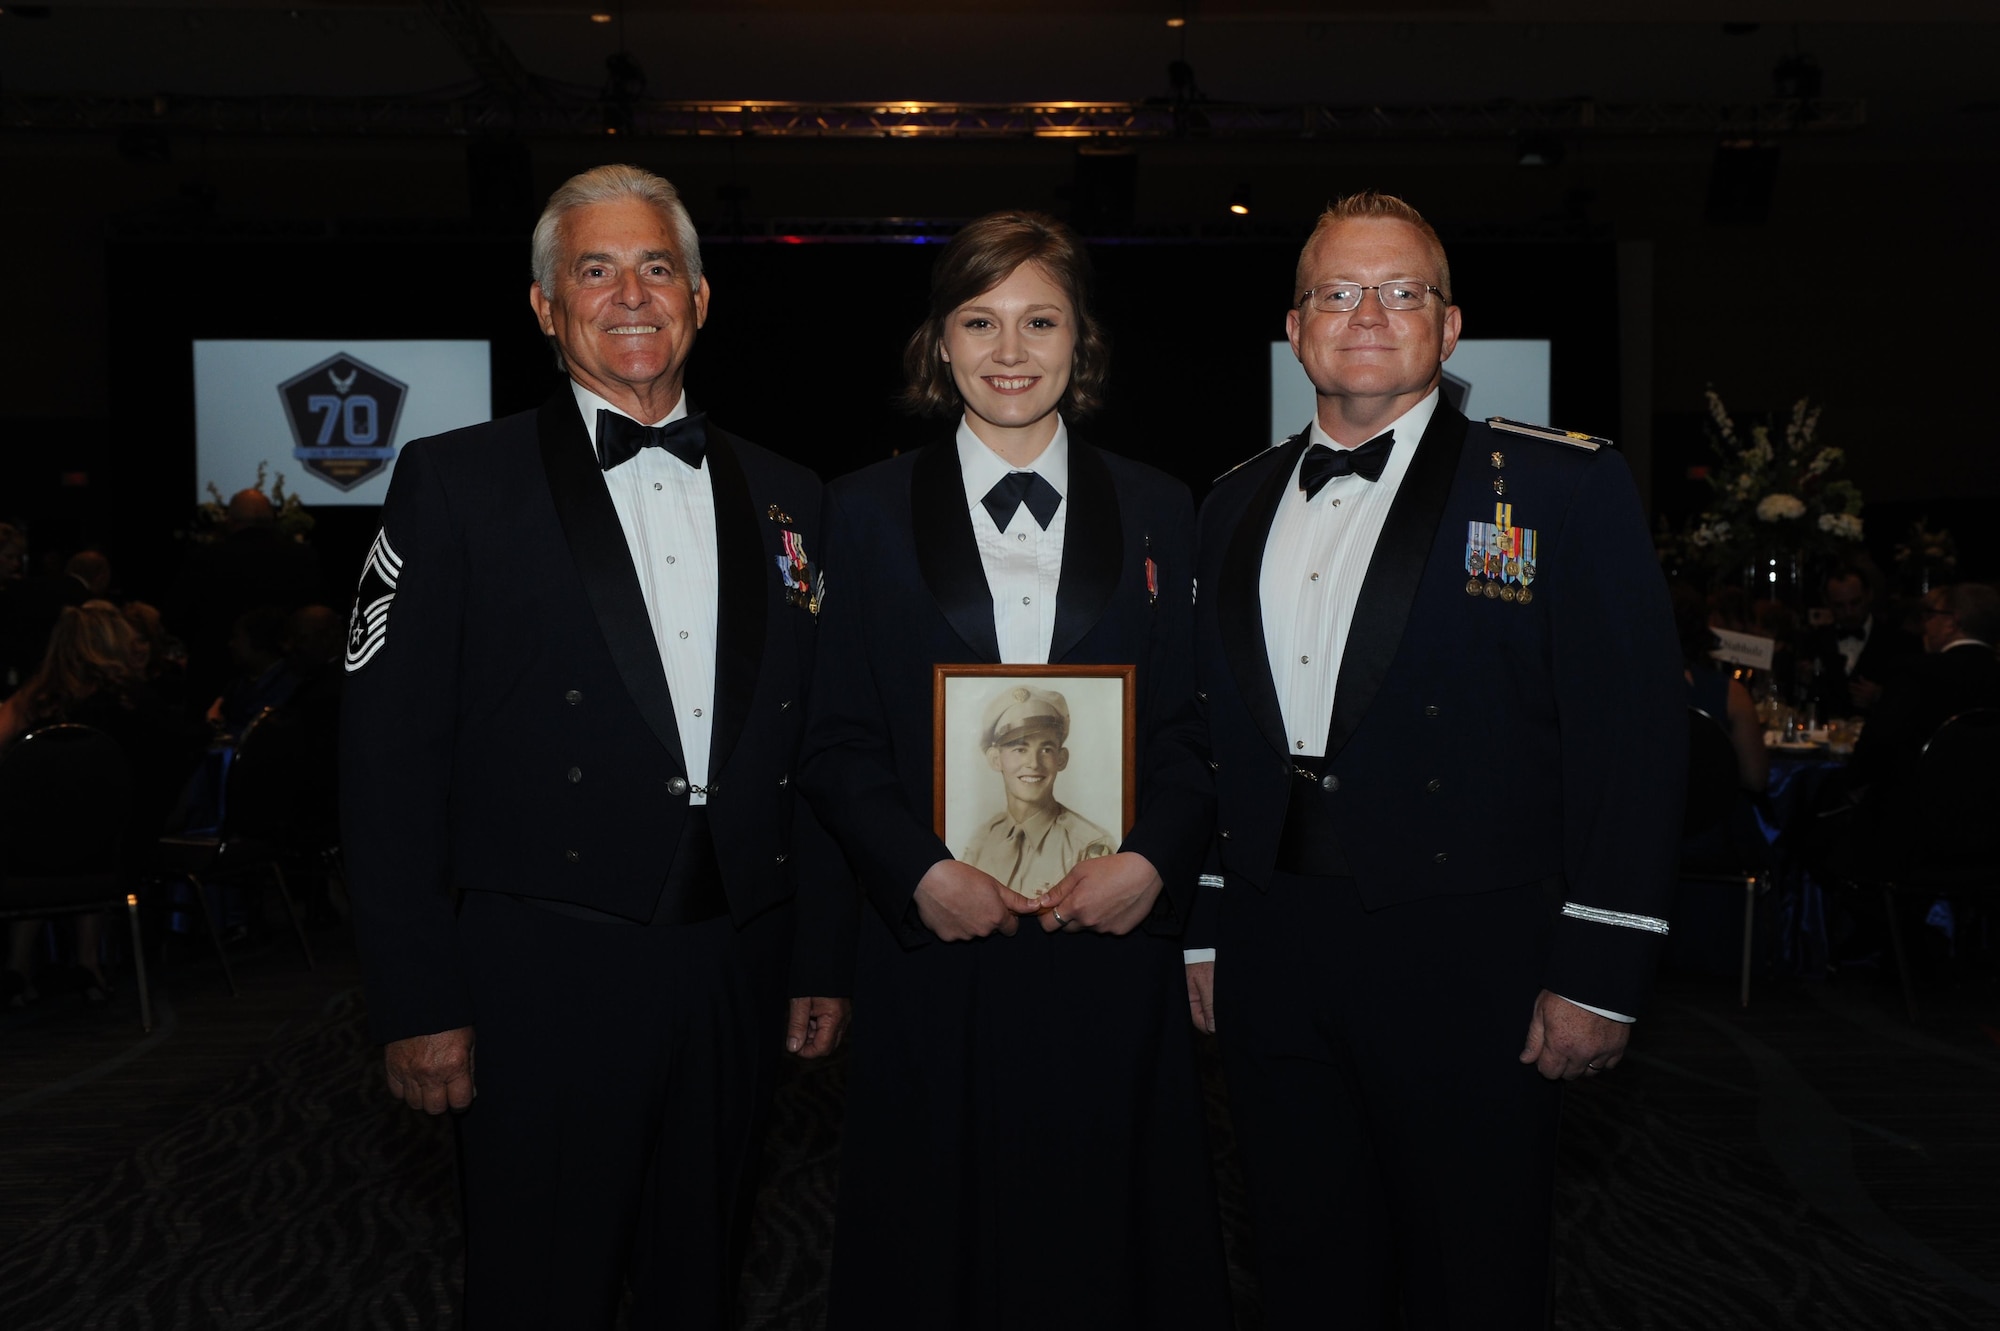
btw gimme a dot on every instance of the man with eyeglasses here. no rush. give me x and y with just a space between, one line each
1446 706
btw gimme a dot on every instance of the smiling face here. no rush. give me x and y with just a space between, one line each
1028 764
1374 364
623 311
1010 350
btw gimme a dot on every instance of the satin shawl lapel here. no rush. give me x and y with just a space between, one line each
597 544
1394 572
746 570
1093 549
1240 609
947 552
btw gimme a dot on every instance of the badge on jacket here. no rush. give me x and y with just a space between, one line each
805 586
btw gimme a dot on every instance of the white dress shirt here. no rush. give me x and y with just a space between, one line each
1315 559
667 509
1023 563
1851 647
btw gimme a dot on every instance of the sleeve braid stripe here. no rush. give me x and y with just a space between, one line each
1594 915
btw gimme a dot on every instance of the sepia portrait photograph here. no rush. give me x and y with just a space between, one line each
1034 767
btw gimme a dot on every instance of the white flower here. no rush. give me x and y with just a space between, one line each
1841 526
1745 483
1824 460
1710 533
1780 508
1720 415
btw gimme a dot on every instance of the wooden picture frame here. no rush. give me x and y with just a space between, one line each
983 792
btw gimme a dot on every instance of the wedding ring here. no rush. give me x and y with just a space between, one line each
1059 918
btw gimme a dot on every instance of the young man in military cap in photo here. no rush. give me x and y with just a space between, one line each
1031 844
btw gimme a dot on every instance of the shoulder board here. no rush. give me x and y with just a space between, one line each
1575 439
1254 456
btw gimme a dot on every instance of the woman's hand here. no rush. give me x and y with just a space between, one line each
958 902
1112 894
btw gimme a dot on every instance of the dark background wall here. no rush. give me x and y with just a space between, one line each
124 244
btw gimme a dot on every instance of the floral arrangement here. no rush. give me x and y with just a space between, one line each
211 516
1771 497
1924 550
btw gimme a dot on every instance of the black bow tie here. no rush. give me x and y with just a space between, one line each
1022 487
1322 464
619 438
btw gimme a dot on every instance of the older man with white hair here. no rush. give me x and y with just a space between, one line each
576 668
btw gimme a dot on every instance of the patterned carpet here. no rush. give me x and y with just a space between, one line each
1814 1163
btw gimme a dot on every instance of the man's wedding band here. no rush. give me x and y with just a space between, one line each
1059 918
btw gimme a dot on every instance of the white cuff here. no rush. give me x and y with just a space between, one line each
1602 1012
1194 954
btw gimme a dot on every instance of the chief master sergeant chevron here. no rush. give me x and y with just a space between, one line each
578 667
1446 708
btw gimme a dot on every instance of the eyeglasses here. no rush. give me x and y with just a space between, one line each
1405 293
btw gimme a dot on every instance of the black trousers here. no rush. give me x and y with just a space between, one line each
624 1073
1399 1158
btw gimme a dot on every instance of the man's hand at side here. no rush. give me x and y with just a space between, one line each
816 1025
1112 894
958 902
1201 995
431 1072
1566 1042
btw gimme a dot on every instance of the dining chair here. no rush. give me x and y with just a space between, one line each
65 801
1715 796
1955 827
249 843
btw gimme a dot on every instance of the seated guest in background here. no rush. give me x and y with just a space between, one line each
162 658
91 571
254 564
89 677
257 651
1856 654
1714 692
16 661
35 602
1957 672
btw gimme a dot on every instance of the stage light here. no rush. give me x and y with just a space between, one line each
600 18
1239 201
1177 23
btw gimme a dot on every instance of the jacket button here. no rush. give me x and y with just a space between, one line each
677 786
575 775
785 704
573 856
1433 785
573 697
781 857
1329 782
784 781
1200 695
1224 834
1431 710
1440 857
1214 766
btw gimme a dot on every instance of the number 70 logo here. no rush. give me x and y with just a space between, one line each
343 415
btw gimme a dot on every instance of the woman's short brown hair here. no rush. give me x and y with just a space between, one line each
981 257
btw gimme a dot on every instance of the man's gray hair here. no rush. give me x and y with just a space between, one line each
1976 607
608 184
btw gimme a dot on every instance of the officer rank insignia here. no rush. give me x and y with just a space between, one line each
1500 558
805 586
